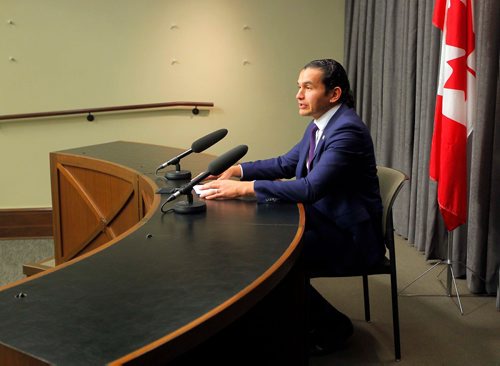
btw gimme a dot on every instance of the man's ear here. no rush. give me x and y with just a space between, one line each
336 94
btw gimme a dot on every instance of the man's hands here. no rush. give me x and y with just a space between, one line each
223 187
226 189
234 171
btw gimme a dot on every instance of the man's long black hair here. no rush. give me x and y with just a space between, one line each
334 75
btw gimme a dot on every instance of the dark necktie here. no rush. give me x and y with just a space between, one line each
312 146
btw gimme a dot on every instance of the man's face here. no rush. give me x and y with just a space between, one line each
313 101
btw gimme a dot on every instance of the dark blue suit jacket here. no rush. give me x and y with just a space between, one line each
341 189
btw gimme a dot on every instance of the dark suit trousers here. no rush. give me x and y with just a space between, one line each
333 251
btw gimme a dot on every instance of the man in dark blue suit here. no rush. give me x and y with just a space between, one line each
335 178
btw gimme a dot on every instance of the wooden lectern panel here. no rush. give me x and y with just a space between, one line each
147 194
13 357
94 201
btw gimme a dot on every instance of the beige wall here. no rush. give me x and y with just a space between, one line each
79 54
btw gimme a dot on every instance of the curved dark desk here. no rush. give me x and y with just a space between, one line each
223 286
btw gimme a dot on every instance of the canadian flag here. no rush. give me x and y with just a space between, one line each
455 103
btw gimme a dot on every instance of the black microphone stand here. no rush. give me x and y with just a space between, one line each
197 146
216 167
189 206
178 174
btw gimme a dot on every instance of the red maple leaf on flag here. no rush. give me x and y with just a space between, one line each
458 78
460 38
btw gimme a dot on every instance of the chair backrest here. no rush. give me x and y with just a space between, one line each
390 181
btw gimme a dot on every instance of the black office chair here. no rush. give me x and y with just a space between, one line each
391 181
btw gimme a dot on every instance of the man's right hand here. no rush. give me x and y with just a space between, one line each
234 171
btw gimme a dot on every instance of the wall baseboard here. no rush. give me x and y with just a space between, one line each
20 223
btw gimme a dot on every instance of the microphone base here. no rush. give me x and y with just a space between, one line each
178 175
186 207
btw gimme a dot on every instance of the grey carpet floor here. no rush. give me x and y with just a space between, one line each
433 332
15 253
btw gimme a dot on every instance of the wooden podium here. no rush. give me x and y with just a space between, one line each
94 202
136 286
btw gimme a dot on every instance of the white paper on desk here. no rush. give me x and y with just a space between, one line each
197 189
206 192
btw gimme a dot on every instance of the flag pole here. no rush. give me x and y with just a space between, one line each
450 277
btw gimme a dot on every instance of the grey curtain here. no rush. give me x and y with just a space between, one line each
392 56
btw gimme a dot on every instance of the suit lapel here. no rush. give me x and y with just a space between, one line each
304 152
329 126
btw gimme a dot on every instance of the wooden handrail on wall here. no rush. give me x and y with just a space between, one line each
90 111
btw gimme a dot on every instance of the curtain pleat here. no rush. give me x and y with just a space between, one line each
392 58
484 199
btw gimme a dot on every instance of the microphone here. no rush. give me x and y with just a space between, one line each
198 146
216 167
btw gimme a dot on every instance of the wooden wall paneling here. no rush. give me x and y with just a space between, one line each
19 223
